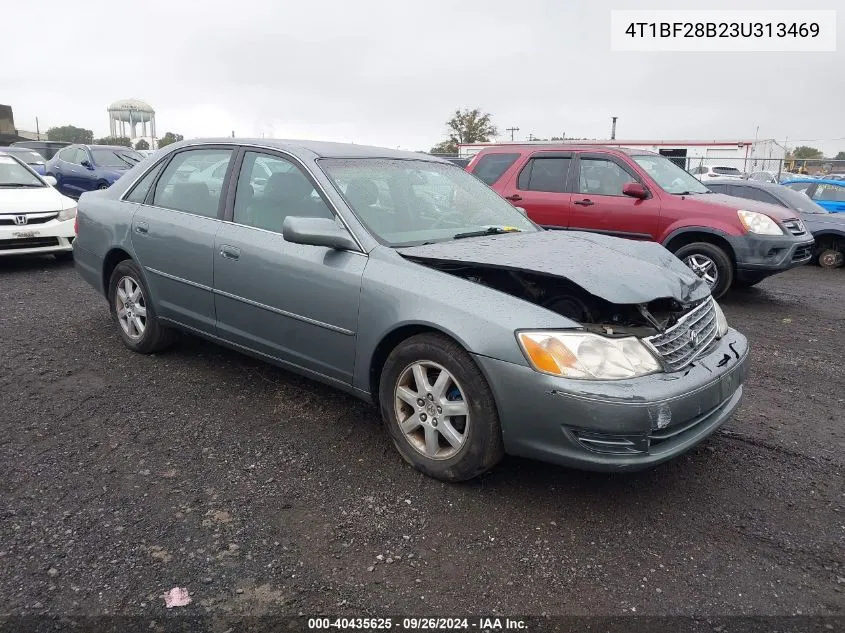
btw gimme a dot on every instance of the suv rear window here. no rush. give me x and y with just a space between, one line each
490 168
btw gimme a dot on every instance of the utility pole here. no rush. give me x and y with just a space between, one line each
613 129
530 136
37 129
512 130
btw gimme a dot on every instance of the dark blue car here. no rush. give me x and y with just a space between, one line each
28 156
81 168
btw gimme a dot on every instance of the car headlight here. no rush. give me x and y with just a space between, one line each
67 214
759 223
587 356
721 321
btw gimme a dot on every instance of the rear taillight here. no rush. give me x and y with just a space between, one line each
76 224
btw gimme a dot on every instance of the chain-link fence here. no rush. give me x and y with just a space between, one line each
758 168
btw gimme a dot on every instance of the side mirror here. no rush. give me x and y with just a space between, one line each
86 163
50 180
317 232
635 190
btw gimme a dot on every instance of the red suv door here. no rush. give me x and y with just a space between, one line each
599 205
541 184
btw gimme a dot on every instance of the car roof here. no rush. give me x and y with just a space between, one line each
511 147
826 181
753 184
317 149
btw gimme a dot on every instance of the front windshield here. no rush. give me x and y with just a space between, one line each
408 202
670 177
27 156
13 175
120 159
800 201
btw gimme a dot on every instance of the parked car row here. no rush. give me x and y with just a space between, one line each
828 229
645 196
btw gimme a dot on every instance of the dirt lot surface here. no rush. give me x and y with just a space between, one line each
124 476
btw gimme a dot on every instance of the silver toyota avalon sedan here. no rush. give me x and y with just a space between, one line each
402 279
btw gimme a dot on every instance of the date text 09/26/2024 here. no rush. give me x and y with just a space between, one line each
419 624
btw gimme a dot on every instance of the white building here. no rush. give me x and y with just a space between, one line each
744 154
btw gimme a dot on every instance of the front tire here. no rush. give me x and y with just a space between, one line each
439 409
830 257
709 262
133 311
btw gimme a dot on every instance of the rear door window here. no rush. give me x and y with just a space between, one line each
545 174
490 167
176 190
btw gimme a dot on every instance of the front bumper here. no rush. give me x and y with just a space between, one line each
617 425
50 237
759 256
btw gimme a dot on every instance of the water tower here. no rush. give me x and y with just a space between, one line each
126 114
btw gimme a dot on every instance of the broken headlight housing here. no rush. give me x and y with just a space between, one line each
721 321
587 356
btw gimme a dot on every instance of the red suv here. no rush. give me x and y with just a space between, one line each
645 196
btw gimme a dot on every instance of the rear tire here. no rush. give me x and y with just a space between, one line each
450 447
709 262
133 311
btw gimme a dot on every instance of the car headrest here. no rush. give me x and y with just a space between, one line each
362 192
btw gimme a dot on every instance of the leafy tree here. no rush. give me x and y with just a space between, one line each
169 138
471 126
70 134
142 144
806 152
445 147
839 156
113 140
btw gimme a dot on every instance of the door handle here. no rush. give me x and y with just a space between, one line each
514 198
586 202
142 227
230 252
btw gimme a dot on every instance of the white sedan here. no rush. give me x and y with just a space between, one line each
34 217
712 172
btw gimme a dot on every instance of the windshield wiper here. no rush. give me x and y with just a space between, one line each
490 230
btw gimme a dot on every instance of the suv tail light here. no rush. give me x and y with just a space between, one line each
76 224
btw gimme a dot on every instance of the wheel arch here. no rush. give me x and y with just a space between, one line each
682 237
390 341
110 262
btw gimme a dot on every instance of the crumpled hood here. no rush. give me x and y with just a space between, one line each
32 200
615 269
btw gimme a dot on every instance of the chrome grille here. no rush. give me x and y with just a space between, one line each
31 218
796 227
688 338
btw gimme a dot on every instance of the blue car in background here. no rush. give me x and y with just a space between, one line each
81 168
29 156
827 193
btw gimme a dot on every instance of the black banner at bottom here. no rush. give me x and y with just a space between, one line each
174 623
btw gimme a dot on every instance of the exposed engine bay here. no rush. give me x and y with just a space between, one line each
570 300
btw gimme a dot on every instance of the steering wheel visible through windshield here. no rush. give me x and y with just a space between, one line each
407 202
670 177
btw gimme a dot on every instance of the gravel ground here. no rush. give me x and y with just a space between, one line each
263 493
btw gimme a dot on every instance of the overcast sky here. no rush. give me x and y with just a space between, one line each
390 72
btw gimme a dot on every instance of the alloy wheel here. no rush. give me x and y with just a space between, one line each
431 410
131 307
704 267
